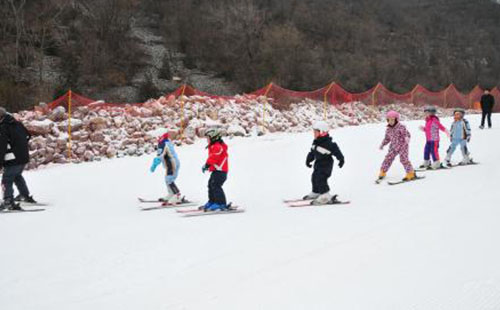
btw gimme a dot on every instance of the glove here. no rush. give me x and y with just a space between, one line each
407 140
468 139
341 163
205 168
170 179
309 159
156 162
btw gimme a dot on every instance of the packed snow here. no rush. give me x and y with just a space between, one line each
429 244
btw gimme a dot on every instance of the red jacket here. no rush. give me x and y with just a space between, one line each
217 157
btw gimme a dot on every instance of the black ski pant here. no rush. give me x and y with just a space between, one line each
486 115
215 191
13 175
320 180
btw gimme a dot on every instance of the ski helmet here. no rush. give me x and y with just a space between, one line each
320 126
459 110
163 137
393 114
431 109
213 133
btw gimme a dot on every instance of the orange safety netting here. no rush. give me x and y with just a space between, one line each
333 93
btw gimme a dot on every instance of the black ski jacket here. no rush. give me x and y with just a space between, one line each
487 103
321 153
14 139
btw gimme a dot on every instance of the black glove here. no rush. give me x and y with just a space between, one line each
205 168
341 163
309 160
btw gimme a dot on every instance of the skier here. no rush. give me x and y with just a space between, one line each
460 135
431 129
487 103
167 156
217 164
14 155
321 153
399 138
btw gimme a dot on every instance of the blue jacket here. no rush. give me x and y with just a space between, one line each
169 157
460 130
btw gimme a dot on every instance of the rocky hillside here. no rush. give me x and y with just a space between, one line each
133 50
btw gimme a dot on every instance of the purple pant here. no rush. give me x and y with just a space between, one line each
403 157
431 149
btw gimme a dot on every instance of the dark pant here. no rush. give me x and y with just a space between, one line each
320 181
13 175
215 191
488 116
431 149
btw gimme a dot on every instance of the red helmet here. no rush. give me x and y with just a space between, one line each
163 137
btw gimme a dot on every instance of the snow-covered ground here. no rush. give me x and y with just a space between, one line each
431 244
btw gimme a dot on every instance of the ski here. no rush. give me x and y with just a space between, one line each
36 204
442 167
150 200
199 211
202 213
402 181
295 200
21 211
170 206
309 204
461 165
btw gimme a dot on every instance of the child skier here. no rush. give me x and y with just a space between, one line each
321 153
431 129
167 156
460 135
217 163
399 138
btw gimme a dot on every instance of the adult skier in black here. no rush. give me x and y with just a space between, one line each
487 103
14 155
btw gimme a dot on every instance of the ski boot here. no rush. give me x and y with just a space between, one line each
410 176
28 199
466 160
9 204
175 199
382 175
311 195
217 207
436 165
425 165
322 199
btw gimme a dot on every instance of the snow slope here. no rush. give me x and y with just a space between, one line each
432 244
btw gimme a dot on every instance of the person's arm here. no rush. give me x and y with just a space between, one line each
467 130
3 147
338 154
386 140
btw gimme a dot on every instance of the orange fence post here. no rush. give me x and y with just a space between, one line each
445 103
374 102
413 94
324 99
182 110
69 124
264 106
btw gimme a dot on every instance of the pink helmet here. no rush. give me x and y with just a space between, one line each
393 114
